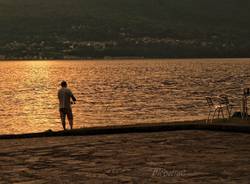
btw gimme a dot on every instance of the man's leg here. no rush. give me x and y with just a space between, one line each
70 118
63 116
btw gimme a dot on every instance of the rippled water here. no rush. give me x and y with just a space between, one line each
115 92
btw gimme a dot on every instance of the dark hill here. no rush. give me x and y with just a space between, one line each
150 28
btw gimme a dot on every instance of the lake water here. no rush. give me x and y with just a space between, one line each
115 92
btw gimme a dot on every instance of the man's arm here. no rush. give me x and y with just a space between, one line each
73 98
71 95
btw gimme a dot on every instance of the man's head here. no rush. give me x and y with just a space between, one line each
64 84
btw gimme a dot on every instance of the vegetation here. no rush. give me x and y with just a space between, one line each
58 29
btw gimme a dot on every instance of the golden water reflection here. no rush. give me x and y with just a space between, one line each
30 101
114 92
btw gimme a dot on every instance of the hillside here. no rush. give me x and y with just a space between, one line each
141 28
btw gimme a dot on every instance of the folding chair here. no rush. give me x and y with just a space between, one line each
213 108
224 103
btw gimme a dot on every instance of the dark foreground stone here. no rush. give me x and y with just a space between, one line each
158 157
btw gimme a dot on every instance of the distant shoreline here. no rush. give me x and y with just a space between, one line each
121 58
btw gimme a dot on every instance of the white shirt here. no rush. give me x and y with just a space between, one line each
64 95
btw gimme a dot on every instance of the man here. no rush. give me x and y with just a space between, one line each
64 96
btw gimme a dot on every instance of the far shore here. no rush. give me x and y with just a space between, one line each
232 125
120 58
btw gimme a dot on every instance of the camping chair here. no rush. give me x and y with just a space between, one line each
224 103
213 108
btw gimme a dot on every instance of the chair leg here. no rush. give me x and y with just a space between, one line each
208 116
218 114
222 114
243 108
229 112
214 115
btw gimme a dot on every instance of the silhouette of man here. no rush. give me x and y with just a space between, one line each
64 96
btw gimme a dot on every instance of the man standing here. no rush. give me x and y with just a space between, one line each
64 96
